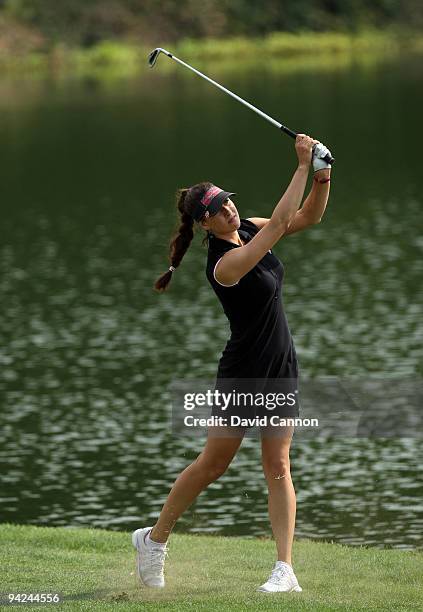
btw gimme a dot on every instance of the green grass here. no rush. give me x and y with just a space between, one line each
282 51
96 568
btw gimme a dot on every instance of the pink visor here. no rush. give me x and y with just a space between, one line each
211 201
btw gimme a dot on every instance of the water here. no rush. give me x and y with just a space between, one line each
89 171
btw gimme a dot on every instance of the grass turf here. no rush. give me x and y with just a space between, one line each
95 570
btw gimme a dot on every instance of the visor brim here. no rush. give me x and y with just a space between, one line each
217 202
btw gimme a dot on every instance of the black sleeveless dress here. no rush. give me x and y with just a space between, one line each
260 346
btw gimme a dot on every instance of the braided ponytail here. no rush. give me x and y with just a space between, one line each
180 242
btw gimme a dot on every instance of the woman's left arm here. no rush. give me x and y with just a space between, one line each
314 205
312 209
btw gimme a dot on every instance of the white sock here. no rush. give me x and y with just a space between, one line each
284 563
150 542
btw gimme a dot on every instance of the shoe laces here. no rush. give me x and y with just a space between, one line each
278 573
157 558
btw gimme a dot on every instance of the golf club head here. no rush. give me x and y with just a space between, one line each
152 58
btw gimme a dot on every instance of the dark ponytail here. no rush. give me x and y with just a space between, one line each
181 240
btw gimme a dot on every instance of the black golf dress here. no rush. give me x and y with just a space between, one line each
260 348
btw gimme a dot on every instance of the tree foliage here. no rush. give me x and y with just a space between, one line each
86 22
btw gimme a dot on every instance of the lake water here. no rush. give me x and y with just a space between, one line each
89 170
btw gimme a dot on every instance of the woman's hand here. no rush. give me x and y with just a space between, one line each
304 148
319 152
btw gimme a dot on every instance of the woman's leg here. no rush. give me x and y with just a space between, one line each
208 467
281 502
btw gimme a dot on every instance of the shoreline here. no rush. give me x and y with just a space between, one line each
286 51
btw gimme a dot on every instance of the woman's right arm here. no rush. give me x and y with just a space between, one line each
237 262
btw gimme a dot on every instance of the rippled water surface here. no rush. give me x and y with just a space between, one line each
89 171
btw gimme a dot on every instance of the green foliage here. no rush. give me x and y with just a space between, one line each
87 22
284 51
81 22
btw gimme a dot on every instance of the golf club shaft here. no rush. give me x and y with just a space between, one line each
244 102
153 58
247 104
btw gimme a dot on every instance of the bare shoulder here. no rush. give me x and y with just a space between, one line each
238 261
258 221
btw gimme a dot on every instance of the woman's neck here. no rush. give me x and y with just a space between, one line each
233 237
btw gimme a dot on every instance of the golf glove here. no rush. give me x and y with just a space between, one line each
319 151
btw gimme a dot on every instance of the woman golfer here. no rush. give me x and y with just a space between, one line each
247 278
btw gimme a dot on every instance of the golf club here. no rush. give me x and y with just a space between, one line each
152 58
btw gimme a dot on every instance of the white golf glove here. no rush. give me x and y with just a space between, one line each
319 151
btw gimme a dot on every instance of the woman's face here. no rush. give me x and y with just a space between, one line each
225 221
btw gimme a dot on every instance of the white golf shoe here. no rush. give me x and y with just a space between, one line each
281 580
150 559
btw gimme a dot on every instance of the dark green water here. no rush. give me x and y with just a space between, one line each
89 169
